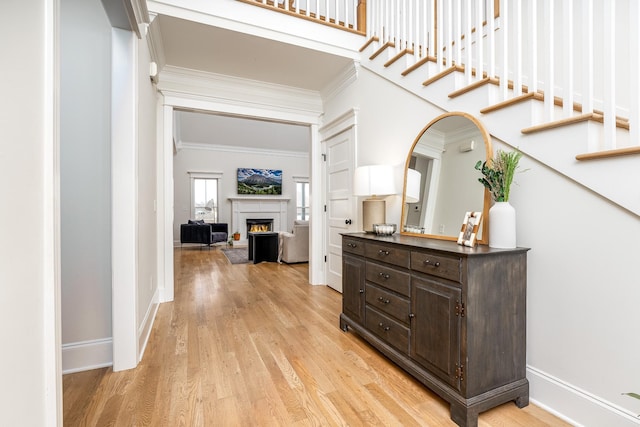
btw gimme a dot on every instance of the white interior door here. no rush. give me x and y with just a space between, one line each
339 150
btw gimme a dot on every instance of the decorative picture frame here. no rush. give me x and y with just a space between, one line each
259 181
469 229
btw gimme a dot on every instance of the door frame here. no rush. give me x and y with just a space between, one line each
178 100
342 123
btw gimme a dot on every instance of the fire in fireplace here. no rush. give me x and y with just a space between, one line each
259 225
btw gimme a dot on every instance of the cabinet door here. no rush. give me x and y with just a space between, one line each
435 328
353 279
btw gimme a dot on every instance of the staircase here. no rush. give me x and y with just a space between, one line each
596 148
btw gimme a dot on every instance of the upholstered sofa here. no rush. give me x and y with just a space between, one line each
294 246
198 231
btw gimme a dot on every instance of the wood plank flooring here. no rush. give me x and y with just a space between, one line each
255 345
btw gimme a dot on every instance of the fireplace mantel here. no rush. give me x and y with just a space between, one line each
258 207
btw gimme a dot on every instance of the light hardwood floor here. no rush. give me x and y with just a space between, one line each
255 345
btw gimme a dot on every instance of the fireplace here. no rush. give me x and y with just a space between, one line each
255 225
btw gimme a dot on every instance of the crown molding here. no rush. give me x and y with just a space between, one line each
204 86
241 150
347 76
154 42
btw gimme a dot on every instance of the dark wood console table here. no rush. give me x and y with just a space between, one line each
451 316
263 246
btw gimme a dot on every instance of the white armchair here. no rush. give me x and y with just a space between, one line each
294 246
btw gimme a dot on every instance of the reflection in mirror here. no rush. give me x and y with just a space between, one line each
443 158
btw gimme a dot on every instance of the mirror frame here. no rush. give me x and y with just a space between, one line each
487 197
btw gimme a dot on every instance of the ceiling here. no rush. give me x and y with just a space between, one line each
221 130
206 48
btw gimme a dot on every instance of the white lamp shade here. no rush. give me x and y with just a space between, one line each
374 180
412 189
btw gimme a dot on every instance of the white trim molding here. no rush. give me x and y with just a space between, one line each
87 355
573 404
144 331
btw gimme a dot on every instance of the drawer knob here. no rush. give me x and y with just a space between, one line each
361 291
383 275
384 328
431 263
383 300
381 252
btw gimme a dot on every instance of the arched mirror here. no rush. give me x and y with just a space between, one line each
446 186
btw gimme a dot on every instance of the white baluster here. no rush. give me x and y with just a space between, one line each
549 44
405 24
517 75
427 32
468 45
504 80
533 45
567 56
439 35
609 77
326 10
587 55
479 42
449 34
634 85
458 33
491 38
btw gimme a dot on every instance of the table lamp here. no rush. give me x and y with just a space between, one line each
373 181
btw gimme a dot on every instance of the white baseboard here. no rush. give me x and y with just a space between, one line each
87 355
144 331
574 405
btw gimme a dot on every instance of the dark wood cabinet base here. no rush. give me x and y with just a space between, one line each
464 412
452 317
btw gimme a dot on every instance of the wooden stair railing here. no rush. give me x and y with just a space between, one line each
290 8
597 116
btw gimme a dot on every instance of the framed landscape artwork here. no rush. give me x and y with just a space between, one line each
259 181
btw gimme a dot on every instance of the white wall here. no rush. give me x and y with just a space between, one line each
147 280
30 391
583 288
85 153
389 120
228 162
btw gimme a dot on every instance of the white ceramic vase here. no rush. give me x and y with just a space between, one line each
502 225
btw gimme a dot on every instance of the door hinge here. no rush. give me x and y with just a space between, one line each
325 208
324 157
459 308
460 372
325 258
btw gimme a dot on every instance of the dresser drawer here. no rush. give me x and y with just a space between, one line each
387 302
389 254
388 329
436 265
353 246
389 277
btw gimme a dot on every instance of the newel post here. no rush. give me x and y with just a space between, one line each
362 16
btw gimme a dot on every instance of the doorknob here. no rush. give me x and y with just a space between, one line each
347 221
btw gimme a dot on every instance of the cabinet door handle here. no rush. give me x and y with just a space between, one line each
383 275
352 245
381 252
385 328
347 221
431 263
383 300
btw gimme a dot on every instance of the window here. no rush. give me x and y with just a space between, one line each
302 200
204 197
